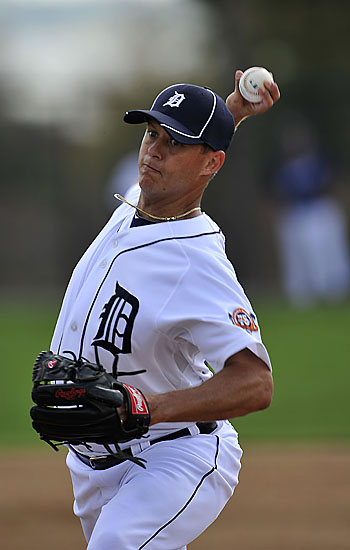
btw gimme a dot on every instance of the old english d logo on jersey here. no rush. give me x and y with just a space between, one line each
241 318
117 322
175 100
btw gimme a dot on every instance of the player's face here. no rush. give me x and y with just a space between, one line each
169 170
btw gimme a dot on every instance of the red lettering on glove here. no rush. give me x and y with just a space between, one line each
71 394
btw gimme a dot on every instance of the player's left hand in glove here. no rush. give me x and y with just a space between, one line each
77 403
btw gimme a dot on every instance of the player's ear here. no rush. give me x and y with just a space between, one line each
213 162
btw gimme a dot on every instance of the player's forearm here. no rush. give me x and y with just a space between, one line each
240 388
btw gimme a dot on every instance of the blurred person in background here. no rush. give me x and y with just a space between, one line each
124 174
311 225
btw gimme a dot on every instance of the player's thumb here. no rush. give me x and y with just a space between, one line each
238 75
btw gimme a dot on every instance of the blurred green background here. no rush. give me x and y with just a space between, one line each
69 70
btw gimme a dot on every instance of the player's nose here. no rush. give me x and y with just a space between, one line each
156 148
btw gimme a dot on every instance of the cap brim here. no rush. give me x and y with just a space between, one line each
172 126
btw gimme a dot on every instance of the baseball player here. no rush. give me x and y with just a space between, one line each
155 300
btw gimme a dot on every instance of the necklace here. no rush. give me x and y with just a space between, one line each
171 218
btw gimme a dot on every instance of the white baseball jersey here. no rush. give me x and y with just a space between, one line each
156 304
159 302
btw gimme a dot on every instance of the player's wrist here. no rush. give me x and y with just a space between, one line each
154 408
236 109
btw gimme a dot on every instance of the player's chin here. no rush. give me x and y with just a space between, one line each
148 180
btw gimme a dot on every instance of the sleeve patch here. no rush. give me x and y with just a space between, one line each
241 318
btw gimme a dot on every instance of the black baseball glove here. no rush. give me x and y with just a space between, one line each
77 402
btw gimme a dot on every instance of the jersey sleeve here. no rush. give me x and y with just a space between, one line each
210 310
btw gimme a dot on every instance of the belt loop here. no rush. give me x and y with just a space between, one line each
194 430
139 447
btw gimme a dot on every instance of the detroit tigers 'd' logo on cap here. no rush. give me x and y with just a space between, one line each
241 318
175 100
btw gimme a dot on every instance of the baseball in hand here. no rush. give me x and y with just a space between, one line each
251 80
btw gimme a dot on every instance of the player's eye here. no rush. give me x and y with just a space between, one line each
174 143
152 133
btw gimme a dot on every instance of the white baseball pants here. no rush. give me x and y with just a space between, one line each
185 486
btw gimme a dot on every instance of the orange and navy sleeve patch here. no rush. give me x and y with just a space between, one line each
241 318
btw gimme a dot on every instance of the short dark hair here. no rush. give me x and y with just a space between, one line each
205 148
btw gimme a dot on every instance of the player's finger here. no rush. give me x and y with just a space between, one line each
238 75
266 96
274 91
266 103
270 93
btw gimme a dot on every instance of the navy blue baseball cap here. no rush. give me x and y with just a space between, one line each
191 115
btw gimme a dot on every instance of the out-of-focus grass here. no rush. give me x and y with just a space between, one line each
25 331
